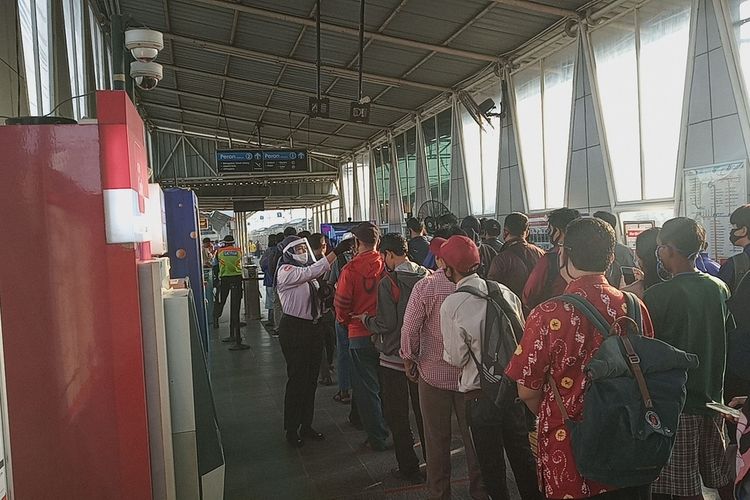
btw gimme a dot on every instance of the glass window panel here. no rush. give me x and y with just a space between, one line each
472 146
411 160
28 40
444 126
528 92
363 180
740 10
403 169
557 105
433 175
490 155
664 32
45 63
616 71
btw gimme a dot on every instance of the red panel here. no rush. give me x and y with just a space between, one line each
124 158
70 324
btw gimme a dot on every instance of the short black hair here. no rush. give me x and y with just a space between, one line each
491 227
316 241
684 235
393 242
607 217
280 237
415 224
290 231
741 217
206 240
272 240
303 234
590 244
448 219
517 223
561 217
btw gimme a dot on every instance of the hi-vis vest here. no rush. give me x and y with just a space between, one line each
230 261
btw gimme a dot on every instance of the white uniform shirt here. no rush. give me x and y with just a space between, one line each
462 317
293 288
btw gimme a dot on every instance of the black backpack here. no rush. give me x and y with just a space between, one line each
499 340
634 395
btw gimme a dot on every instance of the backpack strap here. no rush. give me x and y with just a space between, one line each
588 310
741 263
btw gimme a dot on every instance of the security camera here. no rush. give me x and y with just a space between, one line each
144 44
146 74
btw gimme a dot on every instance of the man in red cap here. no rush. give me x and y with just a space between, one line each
495 430
356 295
422 352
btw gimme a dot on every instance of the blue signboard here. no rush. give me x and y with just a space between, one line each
261 161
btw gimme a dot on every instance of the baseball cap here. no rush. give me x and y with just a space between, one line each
229 239
435 245
458 252
367 232
493 226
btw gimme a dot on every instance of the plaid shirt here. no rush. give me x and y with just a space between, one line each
421 337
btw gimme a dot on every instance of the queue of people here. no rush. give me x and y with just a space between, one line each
506 337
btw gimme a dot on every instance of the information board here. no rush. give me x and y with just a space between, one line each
633 229
710 194
538 234
249 161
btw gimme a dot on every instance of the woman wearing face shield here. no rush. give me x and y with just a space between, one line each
299 332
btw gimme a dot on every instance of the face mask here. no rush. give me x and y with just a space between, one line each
661 270
300 258
733 237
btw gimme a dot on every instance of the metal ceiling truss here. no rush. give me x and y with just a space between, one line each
281 88
254 55
538 8
238 119
259 107
232 35
211 133
345 30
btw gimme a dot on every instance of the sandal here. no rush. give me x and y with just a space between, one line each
343 399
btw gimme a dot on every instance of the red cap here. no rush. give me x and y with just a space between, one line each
459 252
435 245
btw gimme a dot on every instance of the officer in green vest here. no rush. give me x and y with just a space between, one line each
229 258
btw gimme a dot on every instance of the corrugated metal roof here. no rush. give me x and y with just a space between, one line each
484 27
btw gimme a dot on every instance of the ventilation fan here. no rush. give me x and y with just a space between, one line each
429 213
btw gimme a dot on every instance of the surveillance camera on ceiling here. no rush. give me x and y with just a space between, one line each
146 74
144 44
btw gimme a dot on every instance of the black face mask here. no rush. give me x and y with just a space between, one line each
733 238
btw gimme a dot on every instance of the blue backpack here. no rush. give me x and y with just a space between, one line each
634 395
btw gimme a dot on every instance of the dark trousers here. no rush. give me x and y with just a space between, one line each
397 391
496 432
230 286
365 360
302 345
329 335
632 493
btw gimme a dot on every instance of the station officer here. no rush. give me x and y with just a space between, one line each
229 258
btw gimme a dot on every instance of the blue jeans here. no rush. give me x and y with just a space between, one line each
365 360
343 368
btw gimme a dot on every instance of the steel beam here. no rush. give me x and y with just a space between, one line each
345 30
211 133
280 88
254 55
237 119
164 90
538 8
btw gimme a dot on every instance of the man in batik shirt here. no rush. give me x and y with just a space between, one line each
558 342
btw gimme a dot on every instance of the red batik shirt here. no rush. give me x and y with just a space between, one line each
558 342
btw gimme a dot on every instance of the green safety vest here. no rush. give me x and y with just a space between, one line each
230 261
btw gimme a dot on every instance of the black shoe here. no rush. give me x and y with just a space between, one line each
294 439
311 433
275 334
226 340
415 477
356 423
242 323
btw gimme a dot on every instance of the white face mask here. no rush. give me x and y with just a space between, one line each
300 258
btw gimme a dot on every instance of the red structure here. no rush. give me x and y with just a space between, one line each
71 331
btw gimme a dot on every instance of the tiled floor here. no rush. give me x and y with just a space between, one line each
249 390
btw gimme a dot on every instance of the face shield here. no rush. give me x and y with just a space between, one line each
297 252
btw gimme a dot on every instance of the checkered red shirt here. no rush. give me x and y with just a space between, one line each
421 338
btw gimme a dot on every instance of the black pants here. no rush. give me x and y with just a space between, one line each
230 285
302 344
396 391
632 493
496 432
327 324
